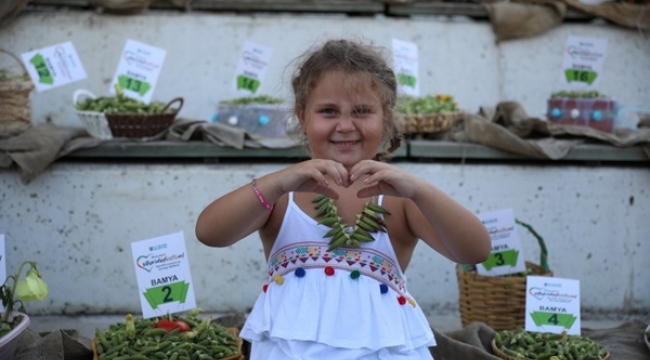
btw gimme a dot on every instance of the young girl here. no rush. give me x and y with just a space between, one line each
334 291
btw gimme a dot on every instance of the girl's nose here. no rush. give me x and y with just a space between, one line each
345 124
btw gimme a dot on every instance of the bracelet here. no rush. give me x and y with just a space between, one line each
259 196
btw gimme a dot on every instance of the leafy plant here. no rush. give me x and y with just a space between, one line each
428 104
257 100
120 104
591 94
14 292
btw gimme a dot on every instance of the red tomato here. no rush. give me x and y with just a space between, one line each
169 325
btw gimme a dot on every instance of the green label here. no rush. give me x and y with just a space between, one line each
406 80
548 318
246 83
135 85
44 75
502 258
584 76
167 293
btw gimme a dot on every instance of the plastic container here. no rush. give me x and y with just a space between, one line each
9 342
598 113
263 120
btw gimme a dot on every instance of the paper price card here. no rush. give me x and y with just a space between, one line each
505 257
163 272
552 305
138 70
405 60
583 62
54 66
251 68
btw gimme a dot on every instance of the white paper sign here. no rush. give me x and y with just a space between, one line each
405 60
552 305
54 66
163 272
138 70
253 62
506 255
583 62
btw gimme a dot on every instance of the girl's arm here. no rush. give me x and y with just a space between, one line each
430 214
447 226
239 213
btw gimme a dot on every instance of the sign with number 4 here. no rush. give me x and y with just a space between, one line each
163 273
552 305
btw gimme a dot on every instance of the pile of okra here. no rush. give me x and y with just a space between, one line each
522 344
140 339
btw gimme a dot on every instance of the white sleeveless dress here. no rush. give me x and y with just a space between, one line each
345 304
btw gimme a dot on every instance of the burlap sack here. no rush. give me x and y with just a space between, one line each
123 6
513 20
9 10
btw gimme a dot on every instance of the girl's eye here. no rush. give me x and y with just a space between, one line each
362 111
328 111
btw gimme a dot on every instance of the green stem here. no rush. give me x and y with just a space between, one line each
10 303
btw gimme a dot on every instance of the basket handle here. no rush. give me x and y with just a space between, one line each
543 258
15 58
174 100
81 92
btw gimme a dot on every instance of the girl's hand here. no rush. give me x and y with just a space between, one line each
314 176
383 178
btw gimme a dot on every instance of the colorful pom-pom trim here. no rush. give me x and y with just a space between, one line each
355 274
300 272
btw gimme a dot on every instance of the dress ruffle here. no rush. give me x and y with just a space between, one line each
337 311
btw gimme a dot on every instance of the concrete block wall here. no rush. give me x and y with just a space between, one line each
78 218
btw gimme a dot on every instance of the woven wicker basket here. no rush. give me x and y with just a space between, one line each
498 352
16 113
427 123
143 125
233 331
498 301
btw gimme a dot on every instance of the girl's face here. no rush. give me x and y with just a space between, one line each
343 119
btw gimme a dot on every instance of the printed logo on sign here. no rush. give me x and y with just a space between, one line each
489 221
252 59
157 247
137 60
552 295
161 262
583 54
